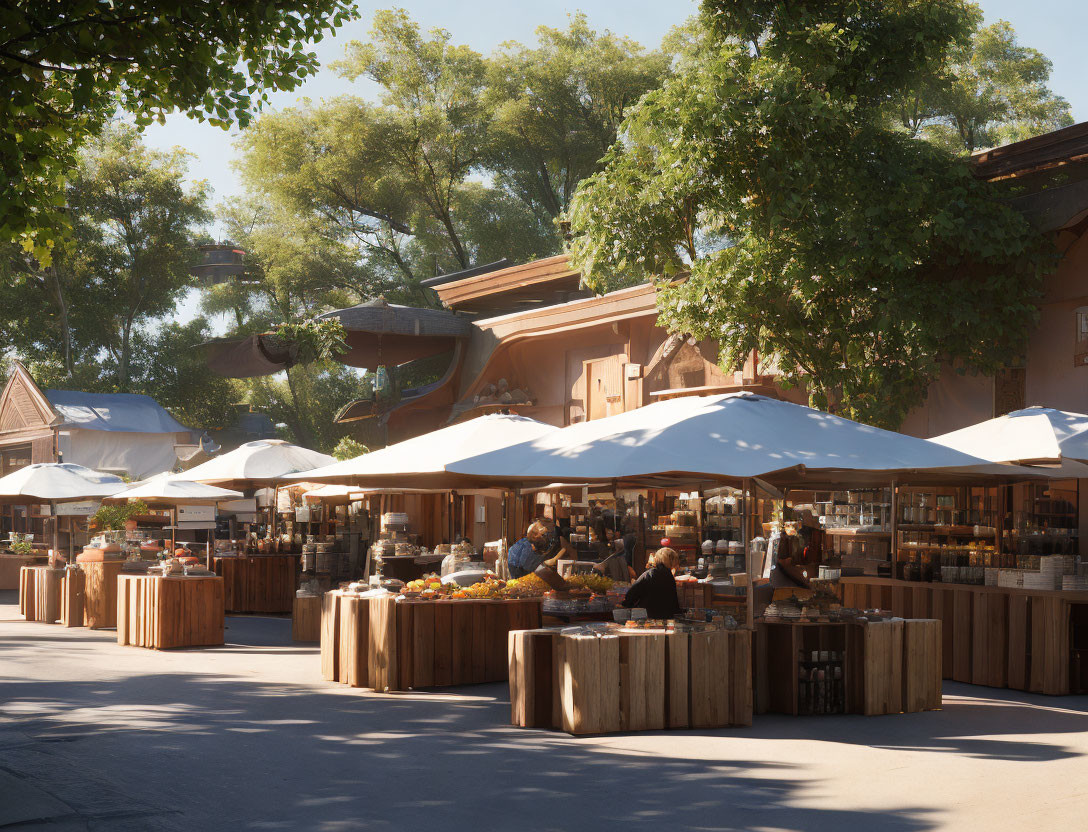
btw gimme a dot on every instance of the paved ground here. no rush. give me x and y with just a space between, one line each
100 737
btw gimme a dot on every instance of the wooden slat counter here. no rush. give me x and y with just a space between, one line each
630 681
100 599
258 583
159 613
996 636
383 644
40 593
887 667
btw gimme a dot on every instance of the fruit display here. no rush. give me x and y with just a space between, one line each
594 582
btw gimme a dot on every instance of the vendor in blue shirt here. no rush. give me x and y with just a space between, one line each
542 546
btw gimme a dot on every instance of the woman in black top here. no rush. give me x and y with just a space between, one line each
655 590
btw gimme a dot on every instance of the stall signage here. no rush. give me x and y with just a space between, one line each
202 514
83 508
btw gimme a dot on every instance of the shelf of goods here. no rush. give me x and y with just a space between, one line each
164 612
644 680
258 583
870 667
40 589
100 589
857 526
389 644
10 564
1005 637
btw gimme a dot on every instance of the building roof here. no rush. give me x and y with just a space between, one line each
1039 153
539 283
118 412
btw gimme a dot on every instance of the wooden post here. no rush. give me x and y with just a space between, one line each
895 528
745 540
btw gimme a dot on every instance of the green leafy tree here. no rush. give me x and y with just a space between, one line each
84 320
349 448
557 108
67 67
991 91
854 258
464 159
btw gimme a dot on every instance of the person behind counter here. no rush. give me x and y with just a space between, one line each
542 546
655 590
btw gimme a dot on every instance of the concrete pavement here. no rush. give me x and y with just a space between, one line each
101 737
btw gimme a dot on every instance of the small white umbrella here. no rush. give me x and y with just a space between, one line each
57 482
426 461
1032 436
733 436
169 489
259 463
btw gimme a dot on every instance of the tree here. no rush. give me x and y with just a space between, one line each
94 319
557 108
463 160
991 91
67 67
765 192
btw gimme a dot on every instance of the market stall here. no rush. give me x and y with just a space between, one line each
171 610
390 643
598 681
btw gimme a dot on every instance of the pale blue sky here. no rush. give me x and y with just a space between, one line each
1056 27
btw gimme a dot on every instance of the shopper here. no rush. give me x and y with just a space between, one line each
655 590
542 547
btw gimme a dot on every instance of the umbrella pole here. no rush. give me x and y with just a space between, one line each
751 611
894 527
56 531
174 532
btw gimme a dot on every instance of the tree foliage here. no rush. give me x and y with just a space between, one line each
854 258
97 318
67 67
464 159
990 91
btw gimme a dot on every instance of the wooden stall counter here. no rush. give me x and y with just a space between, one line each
258 583
162 612
306 618
877 667
385 644
630 681
1024 639
10 564
100 591
40 593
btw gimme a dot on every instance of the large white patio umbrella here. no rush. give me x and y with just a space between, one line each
57 482
734 436
426 461
1032 436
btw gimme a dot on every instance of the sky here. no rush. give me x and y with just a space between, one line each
1056 27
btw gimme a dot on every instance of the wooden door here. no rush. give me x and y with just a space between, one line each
604 386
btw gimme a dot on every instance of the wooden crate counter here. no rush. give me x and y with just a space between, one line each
1002 637
40 593
100 590
261 583
159 613
385 644
630 680
306 618
878 667
10 564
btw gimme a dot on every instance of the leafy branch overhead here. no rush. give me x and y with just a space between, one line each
66 68
855 258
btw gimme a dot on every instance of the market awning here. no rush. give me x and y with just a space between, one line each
57 482
1034 435
169 489
424 461
729 437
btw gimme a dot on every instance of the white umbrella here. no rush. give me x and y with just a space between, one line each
263 462
732 436
169 489
57 482
426 460
1034 435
